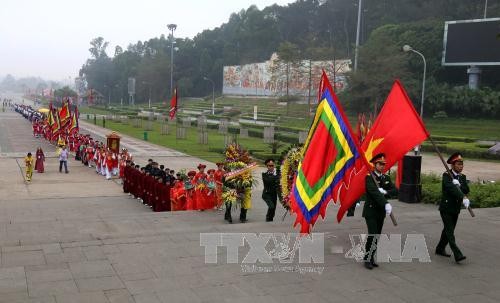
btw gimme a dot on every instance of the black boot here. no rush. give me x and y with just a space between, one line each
269 216
227 215
243 215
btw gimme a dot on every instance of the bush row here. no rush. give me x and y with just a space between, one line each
481 195
466 153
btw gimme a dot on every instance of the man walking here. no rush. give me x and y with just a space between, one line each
376 206
271 192
63 159
454 190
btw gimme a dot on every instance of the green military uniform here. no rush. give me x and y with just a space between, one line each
271 192
374 210
449 208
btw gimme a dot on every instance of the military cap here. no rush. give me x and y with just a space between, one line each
378 158
454 158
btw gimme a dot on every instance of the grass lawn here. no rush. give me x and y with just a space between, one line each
481 129
456 129
210 152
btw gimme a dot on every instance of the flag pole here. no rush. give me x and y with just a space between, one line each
471 212
393 219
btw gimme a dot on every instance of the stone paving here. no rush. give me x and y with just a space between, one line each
77 238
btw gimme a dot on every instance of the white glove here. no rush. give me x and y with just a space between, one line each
456 182
382 191
388 208
466 202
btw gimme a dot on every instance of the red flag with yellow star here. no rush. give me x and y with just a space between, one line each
398 129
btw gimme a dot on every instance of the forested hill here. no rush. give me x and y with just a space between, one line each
318 28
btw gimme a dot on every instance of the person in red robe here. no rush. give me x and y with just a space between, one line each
134 181
211 197
218 175
126 177
162 199
201 191
165 197
178 194
40 158
145 188
189 191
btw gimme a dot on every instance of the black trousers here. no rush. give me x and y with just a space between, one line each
448 234
228 217
271 208
65 163
374 225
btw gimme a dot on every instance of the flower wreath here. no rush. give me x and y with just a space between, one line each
289 168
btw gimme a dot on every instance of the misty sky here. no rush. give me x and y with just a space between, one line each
51 38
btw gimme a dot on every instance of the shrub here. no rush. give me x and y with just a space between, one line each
481 195
440 114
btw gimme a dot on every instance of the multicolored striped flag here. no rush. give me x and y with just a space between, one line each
330 152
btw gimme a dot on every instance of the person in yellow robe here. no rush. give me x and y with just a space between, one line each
28 161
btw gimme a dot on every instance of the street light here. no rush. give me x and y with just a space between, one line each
120 94
144 82
406 49
172 27
356 50
213 94
109 94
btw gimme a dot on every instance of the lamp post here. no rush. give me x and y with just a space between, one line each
120 93
213 93
149 102
172 27
109 94
406 49
356 50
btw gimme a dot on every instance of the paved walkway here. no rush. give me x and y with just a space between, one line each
77 238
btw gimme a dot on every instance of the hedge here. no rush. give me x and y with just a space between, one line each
481 195
466 153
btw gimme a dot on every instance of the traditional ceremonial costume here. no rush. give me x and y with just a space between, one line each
189 191
218 175
40 158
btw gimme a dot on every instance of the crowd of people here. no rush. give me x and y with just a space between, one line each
164 190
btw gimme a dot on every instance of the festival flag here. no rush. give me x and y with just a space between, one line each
173 105
56 126
398 129
64 114
50 116
74 126
330 153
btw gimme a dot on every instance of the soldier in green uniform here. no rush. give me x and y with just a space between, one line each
454 191
376 206
272 190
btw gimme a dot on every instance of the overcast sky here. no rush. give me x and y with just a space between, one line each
51 38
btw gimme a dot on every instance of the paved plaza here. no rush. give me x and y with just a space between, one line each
78 238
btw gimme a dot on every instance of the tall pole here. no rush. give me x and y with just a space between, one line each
172 28
485 8
356 50
213 98
408 48
150 95
423 85
213 93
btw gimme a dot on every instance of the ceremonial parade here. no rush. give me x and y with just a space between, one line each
286 151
